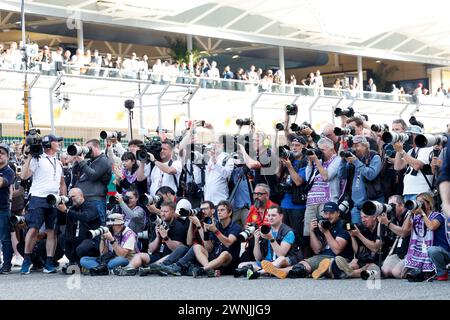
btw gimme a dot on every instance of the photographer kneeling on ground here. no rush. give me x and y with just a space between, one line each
117 247
274 243
328 239
81 217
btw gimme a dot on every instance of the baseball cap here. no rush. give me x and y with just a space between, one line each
299 139
5 147
330 206
414 129
114 219
359 139
51 138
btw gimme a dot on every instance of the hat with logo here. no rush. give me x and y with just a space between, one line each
48 139
330 207
114 219
299 139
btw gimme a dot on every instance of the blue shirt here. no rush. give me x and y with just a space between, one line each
8 175
242 195
440 236
289 238
286 203
338 231
219 247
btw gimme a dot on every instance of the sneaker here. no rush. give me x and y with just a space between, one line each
442 278
101 270
252 275
343 265
152 268
270 268
323 267
49 268
17 261
172 269
26 267
121 271
198 272
239 272
298 271
5 269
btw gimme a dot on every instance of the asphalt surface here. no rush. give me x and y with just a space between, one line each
64 287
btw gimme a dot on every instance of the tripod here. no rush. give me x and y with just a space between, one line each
244 173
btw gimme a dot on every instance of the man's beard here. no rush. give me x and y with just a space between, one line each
260 203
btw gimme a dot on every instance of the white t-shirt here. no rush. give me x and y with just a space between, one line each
415 184
216 179
160 179
128 241
47 173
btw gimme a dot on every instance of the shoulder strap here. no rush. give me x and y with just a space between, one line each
173 175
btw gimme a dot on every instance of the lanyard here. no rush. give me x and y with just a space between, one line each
53 165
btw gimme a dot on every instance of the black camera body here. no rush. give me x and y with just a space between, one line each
349 112
313 151
347 153
284 152
279 126
34 140
129 104
296 128
379 127
244 122
291 109
347 131
324 223
189 212
153 145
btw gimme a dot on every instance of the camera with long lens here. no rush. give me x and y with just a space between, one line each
379 127
15 220
349 112
146 199
313 151
347 153
152 145
55 200
244 122
344 207
430 140
363 117
393 137
369 274
189 212
143 235
389 150
157 221
76 150
208 220
91 234
414 122
284 152
112 134
414 205
296 127
347 131
265 229
291 109
33 139
377 208
279 126
244 235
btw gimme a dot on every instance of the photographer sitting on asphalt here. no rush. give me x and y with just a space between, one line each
117 247
134 215
274 243
328 239
81 217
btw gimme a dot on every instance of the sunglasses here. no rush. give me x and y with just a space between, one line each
259 194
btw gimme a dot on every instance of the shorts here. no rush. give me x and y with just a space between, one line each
39 211
315 261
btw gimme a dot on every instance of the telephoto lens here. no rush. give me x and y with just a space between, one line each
143 235
244 235
189 212
16 219
91 234
369 274
146 199
414 205
55 200
76 150
265 229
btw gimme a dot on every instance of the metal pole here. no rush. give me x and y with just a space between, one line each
189 49
141 118
80 36
360 73
281 61
50 91
26 113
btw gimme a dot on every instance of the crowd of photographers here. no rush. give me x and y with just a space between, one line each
357 200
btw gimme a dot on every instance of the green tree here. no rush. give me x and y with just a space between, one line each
179 51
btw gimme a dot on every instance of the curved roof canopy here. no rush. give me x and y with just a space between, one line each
396 30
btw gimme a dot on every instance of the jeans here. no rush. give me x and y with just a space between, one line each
188 258
101 208
5 238
440 258
91 262
176 255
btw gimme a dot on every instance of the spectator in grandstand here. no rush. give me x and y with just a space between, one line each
94 176
47 174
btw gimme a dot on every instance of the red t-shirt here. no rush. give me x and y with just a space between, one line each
254 216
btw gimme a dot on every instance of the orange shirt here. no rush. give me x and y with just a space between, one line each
255 217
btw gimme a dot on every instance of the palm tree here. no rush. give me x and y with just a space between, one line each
179 51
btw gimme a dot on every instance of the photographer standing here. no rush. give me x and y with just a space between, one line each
6 178
95 175
81 217
416 180
294 176
363 168
47 173
322 178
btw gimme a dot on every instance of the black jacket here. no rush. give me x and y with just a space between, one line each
94 177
